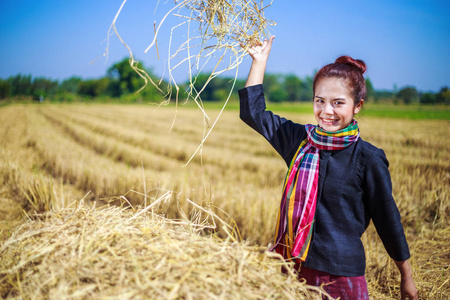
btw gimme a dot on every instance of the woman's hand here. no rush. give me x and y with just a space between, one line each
407 286
408 290
260 55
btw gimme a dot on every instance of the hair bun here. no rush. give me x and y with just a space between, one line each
353 62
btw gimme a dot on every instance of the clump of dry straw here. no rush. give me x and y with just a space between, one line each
125 253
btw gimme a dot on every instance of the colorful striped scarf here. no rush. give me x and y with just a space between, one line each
298 202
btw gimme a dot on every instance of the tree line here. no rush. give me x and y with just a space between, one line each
121 83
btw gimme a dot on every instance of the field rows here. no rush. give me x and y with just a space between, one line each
60 153
110 159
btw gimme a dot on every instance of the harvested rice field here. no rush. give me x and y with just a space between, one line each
96 203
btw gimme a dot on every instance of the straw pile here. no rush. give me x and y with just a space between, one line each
119 253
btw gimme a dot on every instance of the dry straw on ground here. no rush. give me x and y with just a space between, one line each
123 253
56 154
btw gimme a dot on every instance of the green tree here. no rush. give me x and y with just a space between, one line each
206 92
217 89
307 89
383 95
70 85
370 95
428 98
278 94
443 96
43 87
293 87
124 79
20 85
408 94
5 89
274 88
94 87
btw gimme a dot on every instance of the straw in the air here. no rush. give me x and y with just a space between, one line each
217 35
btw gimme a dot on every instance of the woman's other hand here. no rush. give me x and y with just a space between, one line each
407 286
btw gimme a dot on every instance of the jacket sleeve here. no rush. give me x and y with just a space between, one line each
382 207
284 135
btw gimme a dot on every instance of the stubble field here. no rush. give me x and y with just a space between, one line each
52 156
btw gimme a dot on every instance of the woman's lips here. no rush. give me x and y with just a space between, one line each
328 120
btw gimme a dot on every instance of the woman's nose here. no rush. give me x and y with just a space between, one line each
328 109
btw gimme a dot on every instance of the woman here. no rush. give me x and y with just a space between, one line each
336 182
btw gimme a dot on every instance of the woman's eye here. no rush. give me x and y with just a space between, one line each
338 103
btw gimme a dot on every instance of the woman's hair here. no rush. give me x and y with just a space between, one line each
347 68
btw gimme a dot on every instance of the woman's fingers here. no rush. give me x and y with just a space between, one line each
267 44
264 44
252 51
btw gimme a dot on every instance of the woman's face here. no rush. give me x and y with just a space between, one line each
334 107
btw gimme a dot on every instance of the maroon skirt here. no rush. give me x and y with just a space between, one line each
347 288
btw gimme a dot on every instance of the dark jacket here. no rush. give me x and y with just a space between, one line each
354 187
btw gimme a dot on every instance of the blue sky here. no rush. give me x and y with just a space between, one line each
403 42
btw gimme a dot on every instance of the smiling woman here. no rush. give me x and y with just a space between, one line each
336 183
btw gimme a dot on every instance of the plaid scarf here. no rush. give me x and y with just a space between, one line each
298 202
